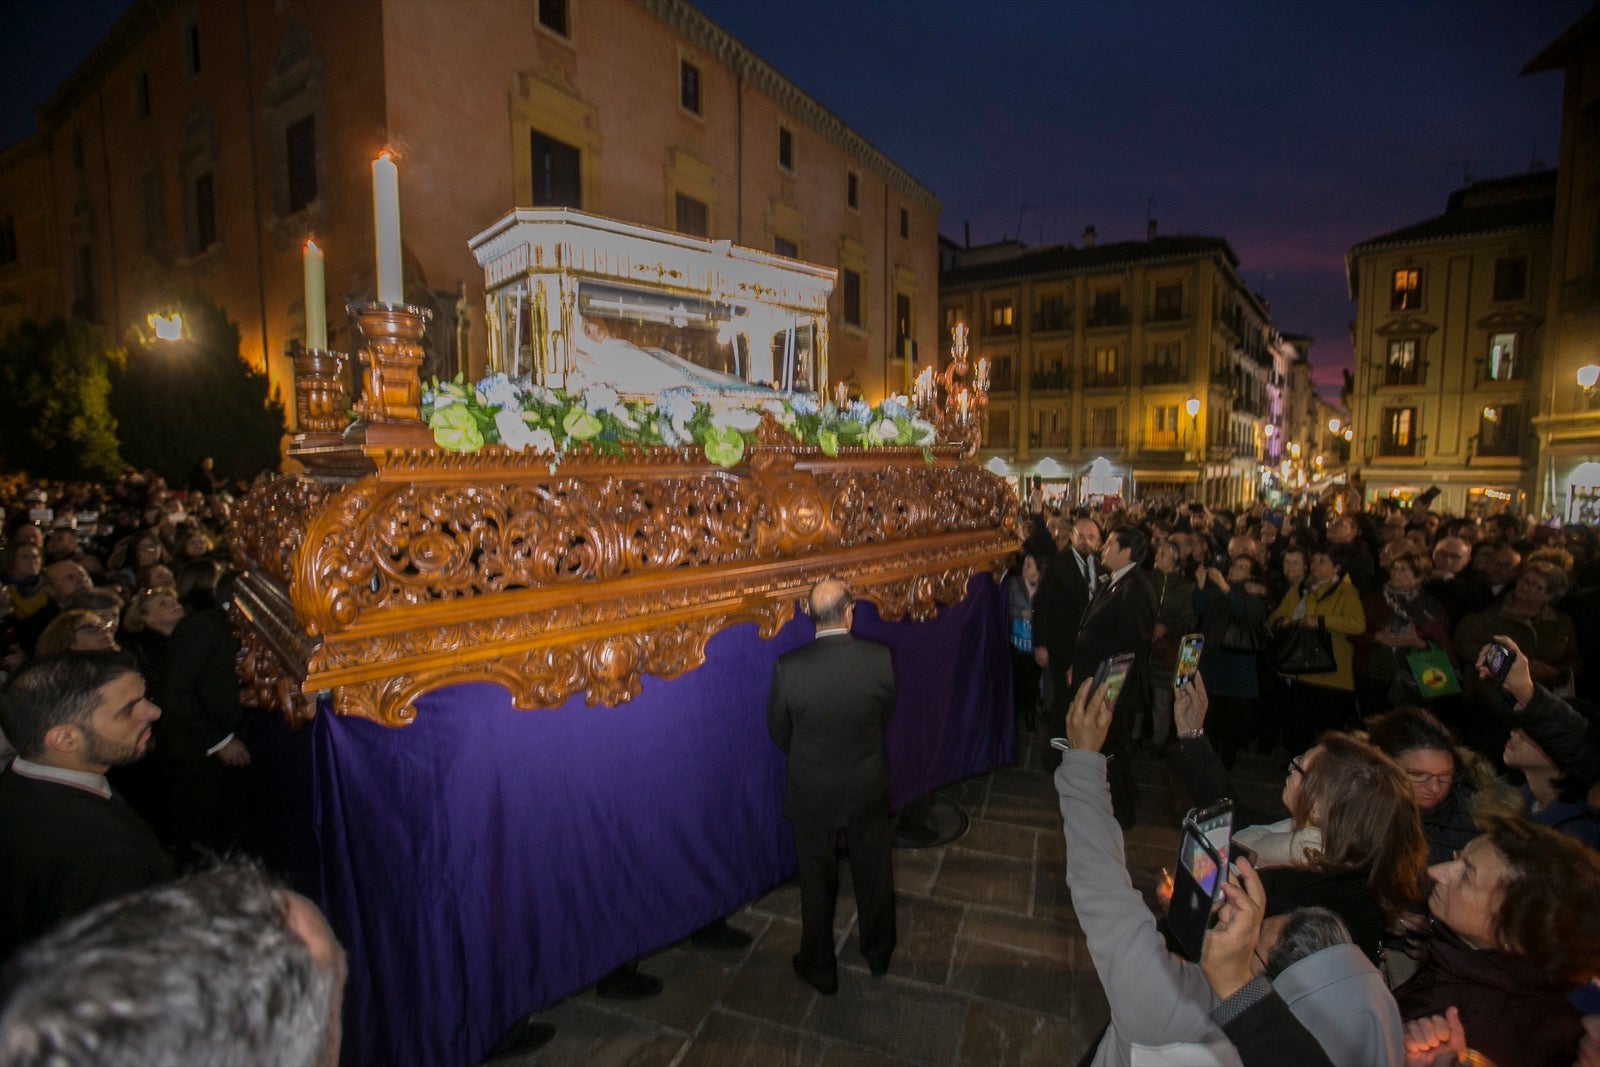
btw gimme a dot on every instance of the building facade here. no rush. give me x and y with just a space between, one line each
201 144
1133 367
1567 424
1451 346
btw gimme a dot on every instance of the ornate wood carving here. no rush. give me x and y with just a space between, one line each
439 568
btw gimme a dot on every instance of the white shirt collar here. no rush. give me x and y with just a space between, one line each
85 780
1116 575
833 631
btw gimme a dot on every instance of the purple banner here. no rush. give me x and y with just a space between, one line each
484 861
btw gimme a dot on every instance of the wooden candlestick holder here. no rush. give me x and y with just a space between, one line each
322 404
389 412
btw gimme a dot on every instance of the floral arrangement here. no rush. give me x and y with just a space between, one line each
552 422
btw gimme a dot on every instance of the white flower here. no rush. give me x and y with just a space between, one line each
540 393
730 418
923 433
780 411
598 399
443 400
498 391
884 430
515 433
541 440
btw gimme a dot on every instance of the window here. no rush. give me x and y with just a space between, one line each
689 86
150 205
191 48
1052 375
1511 278
204 234
785 247
1049 430
997 434
85 305
905 223
1399 432
852 190
1164 426
8 241
1107 308
1002 317
785 148
1503 357
141 95
1169 302
555 172
300 144
1403 366
1500 430
1102 428
1166 364
1051 313
952 319
692 216
904 347
1000 374
850 289
1406 292
1107 367
553 16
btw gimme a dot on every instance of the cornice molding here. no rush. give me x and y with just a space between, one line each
707 35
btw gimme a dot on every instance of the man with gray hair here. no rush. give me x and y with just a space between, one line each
826 710
222 967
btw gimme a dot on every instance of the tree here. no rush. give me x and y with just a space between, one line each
177 401
54 385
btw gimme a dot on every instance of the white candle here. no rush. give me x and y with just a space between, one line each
316 298
386 221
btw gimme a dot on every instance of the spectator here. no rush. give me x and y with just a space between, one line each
1232 615
1401 619
223 967
1329 602
65 844
1175 617
24 581
77 630
1515 927
1496 564
61 579
1021 587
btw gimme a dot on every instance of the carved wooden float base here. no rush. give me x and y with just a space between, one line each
436 569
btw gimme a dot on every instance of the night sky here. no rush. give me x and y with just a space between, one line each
1294 130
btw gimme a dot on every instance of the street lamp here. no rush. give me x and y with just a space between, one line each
166 327
1333 425
1588 376
1197 453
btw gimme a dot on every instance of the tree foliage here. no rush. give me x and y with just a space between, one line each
55 380
177 401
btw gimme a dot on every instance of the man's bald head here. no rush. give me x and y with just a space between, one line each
830 601
1451 555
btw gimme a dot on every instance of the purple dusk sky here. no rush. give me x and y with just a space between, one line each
1294 130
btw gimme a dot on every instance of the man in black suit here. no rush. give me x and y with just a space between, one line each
66 843
826 710
1065 589
1122 618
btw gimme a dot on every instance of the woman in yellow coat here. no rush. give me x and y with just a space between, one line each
1319 702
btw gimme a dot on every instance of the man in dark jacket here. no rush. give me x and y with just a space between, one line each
66 842
826 710
1065 589
1121 618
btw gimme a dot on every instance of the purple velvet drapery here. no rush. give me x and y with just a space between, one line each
484 861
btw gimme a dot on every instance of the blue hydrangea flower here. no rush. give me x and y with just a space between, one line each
858 412
499 391
895 407
803 404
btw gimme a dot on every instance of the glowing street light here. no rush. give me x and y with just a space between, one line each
166 327
1193 405
1587 376
1333 425
1349 435
1269 429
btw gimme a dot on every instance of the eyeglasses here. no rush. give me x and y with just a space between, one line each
1421 779
1295 766
97 627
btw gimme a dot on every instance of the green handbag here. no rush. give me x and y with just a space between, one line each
1430 668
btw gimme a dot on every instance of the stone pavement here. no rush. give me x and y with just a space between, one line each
991 966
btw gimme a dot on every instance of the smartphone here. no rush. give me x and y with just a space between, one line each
1189 648
1112 673
1200 875
1498 659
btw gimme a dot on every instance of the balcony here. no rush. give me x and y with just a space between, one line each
1166 314
1057 439
1165 374
1095 379
1397 449
1108 315
1056 319
1001 383
1051 380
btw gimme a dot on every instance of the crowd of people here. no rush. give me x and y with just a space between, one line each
1425 892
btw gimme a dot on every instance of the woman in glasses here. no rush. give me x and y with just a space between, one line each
77 630
1454 786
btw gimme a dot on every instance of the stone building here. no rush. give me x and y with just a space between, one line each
1451 345
1130 367
200 144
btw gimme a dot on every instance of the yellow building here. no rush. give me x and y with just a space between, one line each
200 145
1567 426
1450 348
1134 367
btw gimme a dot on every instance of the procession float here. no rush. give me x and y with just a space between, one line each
518 632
